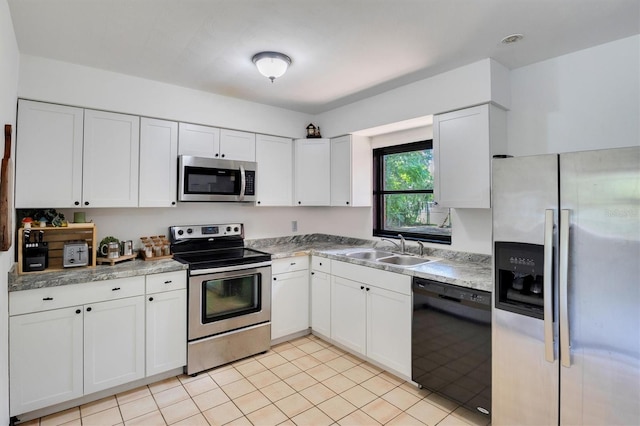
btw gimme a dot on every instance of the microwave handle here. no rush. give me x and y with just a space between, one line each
243 182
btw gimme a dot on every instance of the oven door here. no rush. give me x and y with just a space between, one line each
225 301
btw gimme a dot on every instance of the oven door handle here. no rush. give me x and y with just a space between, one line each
243 182
229 268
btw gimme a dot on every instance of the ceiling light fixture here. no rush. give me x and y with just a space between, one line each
271 64
513 38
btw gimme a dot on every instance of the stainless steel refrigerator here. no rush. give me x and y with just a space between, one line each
566 305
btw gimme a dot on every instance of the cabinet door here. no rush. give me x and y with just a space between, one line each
348 314
111 153
113 343
158 163
274 180
48 155
461 156
289 303
389 329
235 145
341 171
166 331
199 141
45 358
312 178
321 303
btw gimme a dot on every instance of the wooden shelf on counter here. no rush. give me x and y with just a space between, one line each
56 236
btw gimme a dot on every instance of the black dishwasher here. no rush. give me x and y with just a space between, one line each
451 342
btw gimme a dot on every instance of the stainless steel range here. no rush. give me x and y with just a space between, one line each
229 294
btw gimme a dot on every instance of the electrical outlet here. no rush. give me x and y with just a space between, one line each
294 226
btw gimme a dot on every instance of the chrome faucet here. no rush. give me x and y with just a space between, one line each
392 242
421 248
402 244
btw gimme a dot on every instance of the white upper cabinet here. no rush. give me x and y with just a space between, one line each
110 160
312 176
211 142
351 167
235 145
463 143
274 180
198 141
158 162
48 155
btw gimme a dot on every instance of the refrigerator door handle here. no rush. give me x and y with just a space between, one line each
548 285
565 354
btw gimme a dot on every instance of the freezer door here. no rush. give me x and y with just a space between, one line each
525 383
600 379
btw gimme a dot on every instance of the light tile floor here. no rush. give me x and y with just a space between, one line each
305 381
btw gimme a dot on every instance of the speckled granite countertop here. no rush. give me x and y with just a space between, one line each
129 268
463 269
457 268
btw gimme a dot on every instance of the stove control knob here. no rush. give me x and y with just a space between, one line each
236 229
180 232
228 229
189 231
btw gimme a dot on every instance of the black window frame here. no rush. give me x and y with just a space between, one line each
379 193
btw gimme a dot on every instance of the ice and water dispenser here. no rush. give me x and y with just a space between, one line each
519 278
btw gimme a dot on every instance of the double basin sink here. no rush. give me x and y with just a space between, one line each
389 257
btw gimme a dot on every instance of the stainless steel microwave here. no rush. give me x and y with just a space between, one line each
212 179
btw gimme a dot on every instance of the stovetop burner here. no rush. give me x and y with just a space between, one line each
223 257
213 246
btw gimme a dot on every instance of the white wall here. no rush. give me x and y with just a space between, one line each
60 82
581 101
465 86
9 61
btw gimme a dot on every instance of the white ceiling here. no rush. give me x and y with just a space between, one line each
342 50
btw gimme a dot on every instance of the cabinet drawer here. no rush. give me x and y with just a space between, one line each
157 283
290 264
391 281
321 264
44 299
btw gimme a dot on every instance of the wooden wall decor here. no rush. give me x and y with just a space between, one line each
6 189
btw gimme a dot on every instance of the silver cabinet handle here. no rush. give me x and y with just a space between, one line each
548 286
565 355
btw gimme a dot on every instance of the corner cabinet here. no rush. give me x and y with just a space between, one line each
321 296
312 175
464 142
110 160
274 181
351 168
48 155
158 163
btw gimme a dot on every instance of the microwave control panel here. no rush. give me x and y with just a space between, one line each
250 188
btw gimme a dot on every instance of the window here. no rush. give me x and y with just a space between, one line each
403 194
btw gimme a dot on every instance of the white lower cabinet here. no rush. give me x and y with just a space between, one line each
289 296
349 314
45 358
113 343
371 314
321 296
389 329
166 322
69 341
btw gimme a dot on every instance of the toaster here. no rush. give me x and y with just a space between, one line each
75 253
